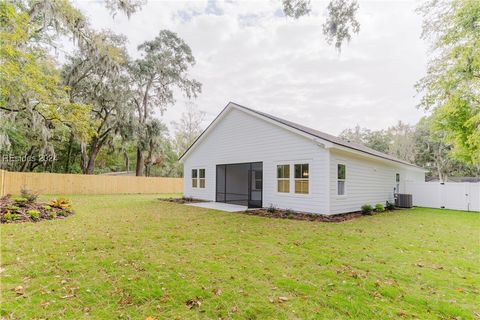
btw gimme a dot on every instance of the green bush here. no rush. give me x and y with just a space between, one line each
379 207
272 209
390 206
20 201
8 216
62 213
12 208
28 194
290 213
33 214
52 214
367 209
47 207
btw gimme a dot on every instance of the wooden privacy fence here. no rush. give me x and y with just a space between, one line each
56 183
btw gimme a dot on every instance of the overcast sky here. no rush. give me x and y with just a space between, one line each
248 52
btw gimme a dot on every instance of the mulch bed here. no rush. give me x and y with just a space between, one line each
17 210
182 200
284 214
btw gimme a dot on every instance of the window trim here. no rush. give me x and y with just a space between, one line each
301 179
197 179
283 179
291 193
200 179
397 182
345 193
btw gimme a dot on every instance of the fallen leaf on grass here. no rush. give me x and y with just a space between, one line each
45 304
193 303
282 299
125 300
150 318
217 291
20 290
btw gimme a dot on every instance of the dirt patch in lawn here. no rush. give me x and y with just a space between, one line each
288 214
182 200
19 209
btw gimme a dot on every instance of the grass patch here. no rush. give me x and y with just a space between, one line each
132 256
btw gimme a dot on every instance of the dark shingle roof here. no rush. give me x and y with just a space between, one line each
327 137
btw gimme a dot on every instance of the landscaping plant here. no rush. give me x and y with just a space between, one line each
27 209
379 207
367 209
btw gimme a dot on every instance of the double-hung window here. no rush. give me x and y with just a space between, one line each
341 179
201 179
301 178
198 178
283 178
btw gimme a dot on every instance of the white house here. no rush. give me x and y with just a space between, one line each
252 158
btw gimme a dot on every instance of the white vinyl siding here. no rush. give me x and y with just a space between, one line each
240 137
367 181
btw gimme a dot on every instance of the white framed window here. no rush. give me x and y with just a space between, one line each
302 178
201 178
198 178
341 179
194 178
397 182
283 178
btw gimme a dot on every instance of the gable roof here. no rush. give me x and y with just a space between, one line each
309 131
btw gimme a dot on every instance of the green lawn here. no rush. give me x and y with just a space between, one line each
132 257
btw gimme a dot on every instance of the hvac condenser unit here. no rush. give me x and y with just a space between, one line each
403 200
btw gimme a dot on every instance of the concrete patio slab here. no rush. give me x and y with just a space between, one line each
219 206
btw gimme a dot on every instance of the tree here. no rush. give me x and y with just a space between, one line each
164 66
31 91
402 141
188 128
153 139
377 140
341 21
451 87
100 80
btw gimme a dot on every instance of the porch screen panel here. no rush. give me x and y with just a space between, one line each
237 183
220 196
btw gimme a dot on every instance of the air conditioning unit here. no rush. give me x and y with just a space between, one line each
403 200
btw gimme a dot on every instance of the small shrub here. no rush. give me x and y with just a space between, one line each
62 213
379 207
367 209
12 208
28 194
52 214
8 216
61 204
47 207
290 213
33 214
271 209
390 206
20 201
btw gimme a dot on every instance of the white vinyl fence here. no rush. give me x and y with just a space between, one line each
449 195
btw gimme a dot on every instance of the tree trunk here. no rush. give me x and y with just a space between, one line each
127 161
88 160
140 163
27 159
69 153
94 148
